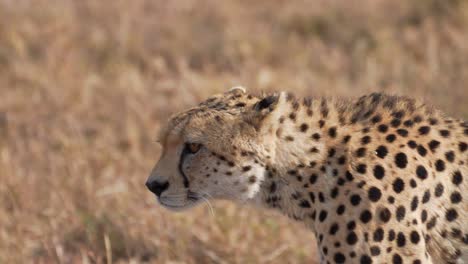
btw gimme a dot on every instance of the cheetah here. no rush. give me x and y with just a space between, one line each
378 179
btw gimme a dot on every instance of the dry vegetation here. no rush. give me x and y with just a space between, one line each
86 84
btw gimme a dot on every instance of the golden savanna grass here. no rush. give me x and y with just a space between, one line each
85 86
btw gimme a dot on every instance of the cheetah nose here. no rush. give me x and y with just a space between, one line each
157 187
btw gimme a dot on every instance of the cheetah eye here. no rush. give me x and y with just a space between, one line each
192 147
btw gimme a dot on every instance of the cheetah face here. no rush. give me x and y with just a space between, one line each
211 152
191 173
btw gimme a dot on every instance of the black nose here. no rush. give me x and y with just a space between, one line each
157 187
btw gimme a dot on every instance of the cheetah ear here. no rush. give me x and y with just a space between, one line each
236 90
261 110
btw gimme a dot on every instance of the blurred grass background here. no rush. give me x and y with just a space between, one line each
85 86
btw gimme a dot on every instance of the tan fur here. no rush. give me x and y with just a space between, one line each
378 180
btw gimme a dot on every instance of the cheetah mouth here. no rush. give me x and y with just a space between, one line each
177 208
175 203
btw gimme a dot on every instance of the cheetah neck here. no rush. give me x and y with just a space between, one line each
307 135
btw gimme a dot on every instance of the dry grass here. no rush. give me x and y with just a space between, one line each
86 84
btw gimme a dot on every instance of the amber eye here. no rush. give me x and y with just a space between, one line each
193 147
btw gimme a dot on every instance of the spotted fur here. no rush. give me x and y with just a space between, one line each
380 179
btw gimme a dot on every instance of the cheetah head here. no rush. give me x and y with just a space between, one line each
217 150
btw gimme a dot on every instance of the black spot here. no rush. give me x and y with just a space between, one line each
450 156
355 199
433 145
417 119
325 250
321 197
413 183
378 235
351 225
366 259
426 197
340 181
361 168
331 152
439 190
365 140
304 204
312 197
423 216
374 194
316 136
332 132
339 258
360 152
365 216
349 176
465 239
402 132
246 168
414 203
431 223
313 178
382 128
333 229
401 240
346 139
462 146
398 185
304 127
398 114
390 138
381 152
385 215
397 259
433 121
323 215
422 150
334 192
421 172
379 172
391 235
292 116
375 251
400 213
455 197
395 122
414 237
451 215
408 123
440 165
457 178
252 179
412 144
342 160
401 160
444 133
361 184
351 239
376 119
424 130
340 210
